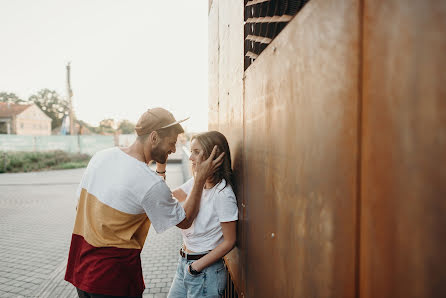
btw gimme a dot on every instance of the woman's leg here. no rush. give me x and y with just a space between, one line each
210 282
195 284
216 276
177 289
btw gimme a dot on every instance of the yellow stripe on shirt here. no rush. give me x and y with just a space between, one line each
104 226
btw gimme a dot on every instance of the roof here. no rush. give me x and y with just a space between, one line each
11 109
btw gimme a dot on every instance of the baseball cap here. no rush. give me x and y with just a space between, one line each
154 119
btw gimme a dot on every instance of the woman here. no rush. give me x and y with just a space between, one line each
201 271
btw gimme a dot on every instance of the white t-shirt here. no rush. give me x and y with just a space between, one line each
128 185
218 204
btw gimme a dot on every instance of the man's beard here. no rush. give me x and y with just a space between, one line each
158 155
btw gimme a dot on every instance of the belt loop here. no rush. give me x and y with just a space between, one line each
185 253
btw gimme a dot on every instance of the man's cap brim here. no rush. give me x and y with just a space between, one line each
174 123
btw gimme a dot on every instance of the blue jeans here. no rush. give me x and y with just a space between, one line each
211 282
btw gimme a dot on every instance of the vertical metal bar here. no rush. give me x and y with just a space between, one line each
230 291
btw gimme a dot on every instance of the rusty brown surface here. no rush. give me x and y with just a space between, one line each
235 267
226 105
310 119
213 65
403 214
231 117
301 119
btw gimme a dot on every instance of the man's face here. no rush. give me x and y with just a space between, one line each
163 148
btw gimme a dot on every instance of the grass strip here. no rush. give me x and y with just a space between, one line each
16 162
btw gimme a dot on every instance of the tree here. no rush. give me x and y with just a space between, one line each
52 104
106 126
126 127
84 127
10 98
107 123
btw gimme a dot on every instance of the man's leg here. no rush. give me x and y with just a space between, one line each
83 294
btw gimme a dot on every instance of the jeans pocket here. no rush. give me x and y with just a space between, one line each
195 284
192 275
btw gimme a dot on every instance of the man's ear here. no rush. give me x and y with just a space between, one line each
154 138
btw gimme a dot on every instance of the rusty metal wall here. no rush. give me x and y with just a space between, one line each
338 133
403 185
297 203
301 105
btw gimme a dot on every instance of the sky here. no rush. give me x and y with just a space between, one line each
126 56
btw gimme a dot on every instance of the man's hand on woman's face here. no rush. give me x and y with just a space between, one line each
206 168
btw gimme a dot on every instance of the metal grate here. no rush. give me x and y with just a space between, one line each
264 19
230 290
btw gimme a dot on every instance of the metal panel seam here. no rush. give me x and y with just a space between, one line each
359 147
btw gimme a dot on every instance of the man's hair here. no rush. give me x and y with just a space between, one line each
164 132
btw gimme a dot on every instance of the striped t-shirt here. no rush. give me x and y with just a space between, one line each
119 198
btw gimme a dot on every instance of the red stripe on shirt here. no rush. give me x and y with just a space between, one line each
104 270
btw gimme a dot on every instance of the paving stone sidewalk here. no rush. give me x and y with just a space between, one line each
37 213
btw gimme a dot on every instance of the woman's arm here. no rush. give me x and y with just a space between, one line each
229 237
179 194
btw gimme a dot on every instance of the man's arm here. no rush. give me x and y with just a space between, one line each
192 203
204 170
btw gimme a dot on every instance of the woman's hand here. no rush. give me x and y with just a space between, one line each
195 271
179 194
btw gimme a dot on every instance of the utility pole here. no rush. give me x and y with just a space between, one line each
70 95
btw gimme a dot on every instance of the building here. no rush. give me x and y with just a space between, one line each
337 129
24 120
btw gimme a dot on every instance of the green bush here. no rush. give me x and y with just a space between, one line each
13 162
72 165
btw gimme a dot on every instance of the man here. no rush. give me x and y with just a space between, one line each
119 198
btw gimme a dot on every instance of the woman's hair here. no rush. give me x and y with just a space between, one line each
208 140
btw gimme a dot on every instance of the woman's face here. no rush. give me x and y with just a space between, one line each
195 150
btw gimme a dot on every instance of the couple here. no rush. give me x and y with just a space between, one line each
119 197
